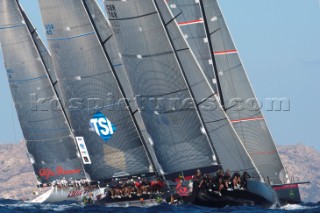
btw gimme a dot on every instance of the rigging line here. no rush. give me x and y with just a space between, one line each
34 30
213 32
164 94
97 74
72 37
183 49
214 63
148 56
173 18
204 100
144 143
134 17
207 30
25 17
105 41
185 77
222 119
50 79
227 109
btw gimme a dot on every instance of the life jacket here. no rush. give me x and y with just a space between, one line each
153 183
137 184
182 191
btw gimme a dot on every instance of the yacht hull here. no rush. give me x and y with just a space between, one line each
288 193
73 194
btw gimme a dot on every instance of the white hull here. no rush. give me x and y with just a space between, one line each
74 194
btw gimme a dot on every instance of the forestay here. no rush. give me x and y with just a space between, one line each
108 42
234 87
229 149
93 99
163 96
161 67
50 144
188 15
246 116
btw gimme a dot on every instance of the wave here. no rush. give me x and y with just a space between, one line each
9 206
301 207
16 205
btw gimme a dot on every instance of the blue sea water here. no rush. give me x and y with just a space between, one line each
9 206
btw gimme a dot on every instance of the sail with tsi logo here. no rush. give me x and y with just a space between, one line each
89 76
102 126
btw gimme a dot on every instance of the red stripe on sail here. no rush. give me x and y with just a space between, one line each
247 119
226 52
190 22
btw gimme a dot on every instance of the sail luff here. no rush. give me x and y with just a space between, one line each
203 93
248 123
186 80
236 84
155 76
51 75
44 129
99 114
102 43
215 68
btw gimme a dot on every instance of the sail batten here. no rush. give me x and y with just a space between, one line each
46 131
95 13
222 135
249 124
86 75
158 78
211 41
149 35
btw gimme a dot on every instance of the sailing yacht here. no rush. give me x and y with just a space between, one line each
65 162
203 25
89 70
133 96
154 50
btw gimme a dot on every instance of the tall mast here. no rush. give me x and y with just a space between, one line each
49 76
51 81
215 67
121 88
186 80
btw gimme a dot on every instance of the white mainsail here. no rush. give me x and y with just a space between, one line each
86 74
159 63
208 36
50 144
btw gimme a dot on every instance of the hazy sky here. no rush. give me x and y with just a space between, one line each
279 43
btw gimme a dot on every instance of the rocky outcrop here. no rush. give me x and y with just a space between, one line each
303 164
17 180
